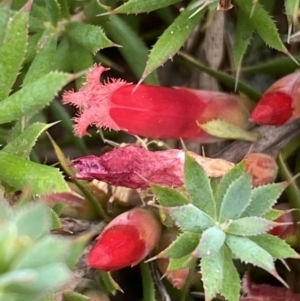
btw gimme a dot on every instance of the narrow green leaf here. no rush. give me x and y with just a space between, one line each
168 196
148 282
53 11
180 263
4 18
73 296
190 218
62 60
23 144
280 66
137 6
274 214
49 249
173 38
33 97
243 34
20 173
236 198
110 285
43 61
31 47
12 52
55 220
212 274
263 24
33 220
134 50
223 77
183 245
64 9
227 130
227 179
198 186
248 226
277 247
263 198
231 285
211 242
89 36
249 252
81 59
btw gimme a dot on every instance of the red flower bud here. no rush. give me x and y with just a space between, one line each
280 103
151 111
125 241
263 168
132 166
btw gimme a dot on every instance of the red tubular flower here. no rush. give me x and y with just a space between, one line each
262 167
125 241
280 103
151 111
132 166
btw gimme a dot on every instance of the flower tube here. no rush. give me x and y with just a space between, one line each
151 111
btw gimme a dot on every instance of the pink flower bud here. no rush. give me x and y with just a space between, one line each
151 111
280 103
132 167
262 167
125 241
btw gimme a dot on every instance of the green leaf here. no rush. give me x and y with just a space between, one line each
291 7
236 198
173 38
43 61
89 36
183 245
223 77
212 274
263 24
64 9
134 50
227 179
180 263
53 11
137 6
31 47
4 18
211 242
190 218
55 220
62 60
263 198
277 247
167 196
110 285
73 296
249 252
22 145
273 214
226 130
20 174
12 52
48 250
48 278
242 37
231 285
81 59
198 186
33 97
33 220
247 226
